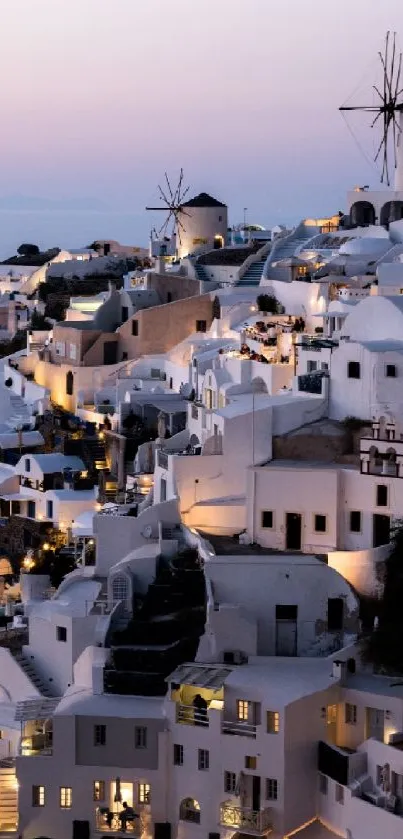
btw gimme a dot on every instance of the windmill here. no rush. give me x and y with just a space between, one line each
173 206
386 108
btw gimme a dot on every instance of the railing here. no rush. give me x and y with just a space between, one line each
257 821
107 821
189 715
162 459
38 744
245 729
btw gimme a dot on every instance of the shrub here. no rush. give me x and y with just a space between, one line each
269 303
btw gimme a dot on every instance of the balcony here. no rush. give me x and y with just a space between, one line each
38 744
189 715
107 821
244 729
255 822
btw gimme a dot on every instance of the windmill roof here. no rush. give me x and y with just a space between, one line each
203 200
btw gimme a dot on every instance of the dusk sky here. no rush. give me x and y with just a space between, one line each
98 98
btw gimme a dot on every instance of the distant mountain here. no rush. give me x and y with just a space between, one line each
35 203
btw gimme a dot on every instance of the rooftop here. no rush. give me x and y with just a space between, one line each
49 463
81 702
203 199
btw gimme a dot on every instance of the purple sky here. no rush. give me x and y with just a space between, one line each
98 98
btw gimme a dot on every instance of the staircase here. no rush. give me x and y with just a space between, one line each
8 799
28 668
20 415
253 275
200 272
284 248
91 450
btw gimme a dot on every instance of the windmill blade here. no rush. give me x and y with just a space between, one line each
166 223
169 187
178 192
392 66
384 138
399 70
394 141
164 198
376 118
184 193
179 223
379 93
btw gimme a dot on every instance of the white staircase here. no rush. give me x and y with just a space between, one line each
20 414
8 800
29 670
253 275
284 248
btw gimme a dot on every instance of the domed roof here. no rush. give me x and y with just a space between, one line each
203 200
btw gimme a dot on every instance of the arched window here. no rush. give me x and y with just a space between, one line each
120 587
189 810
69 383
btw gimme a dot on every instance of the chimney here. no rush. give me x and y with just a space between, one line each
339 670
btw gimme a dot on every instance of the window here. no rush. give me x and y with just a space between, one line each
350 715
335 614
135 328
382 495
140 737
391 371
125 314
339 794
27 464
203 761
73 352
60 347
69 383
311 366
320 524
267 518
124 356
61 633
163 490
273 722
354 370
189 810
201 326
99 735
49 509
242 710
230 782
65 797
355 521
250 762
324 365
323 784
271 789
178 755
379 775
38 796
120 588
99 791
169 296
144 793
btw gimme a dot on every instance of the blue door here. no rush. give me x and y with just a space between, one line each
31 509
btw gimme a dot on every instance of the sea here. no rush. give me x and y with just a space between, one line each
70 228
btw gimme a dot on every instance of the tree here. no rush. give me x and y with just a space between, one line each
28 250
269 303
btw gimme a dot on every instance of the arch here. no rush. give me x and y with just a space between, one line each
259 385
391 211
69 383
189 810
194 441
218 241
362 214
391 455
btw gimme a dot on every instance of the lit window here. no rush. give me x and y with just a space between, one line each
203 759
65 797
323 784
230 782
350 714
273 722
271 789
99 735
38 796
320 524
99 791
243 710
178 754
339 794
267 518
140 737
144 793
250 762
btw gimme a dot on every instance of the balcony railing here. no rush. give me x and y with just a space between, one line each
245 729
38 744
246 819
107 821
189 715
